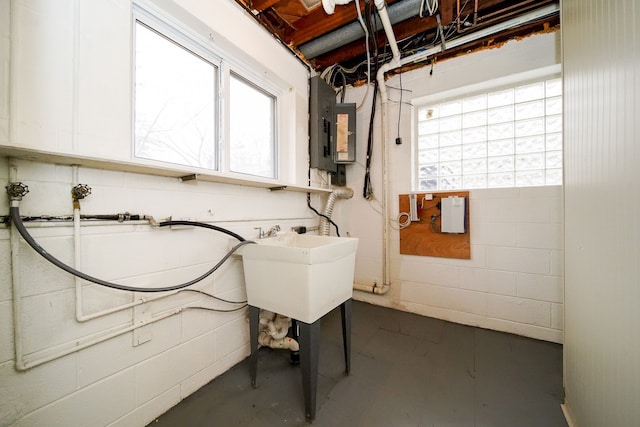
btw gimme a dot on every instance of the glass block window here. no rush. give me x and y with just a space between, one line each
508 138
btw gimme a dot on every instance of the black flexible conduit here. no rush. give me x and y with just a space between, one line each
367 191
17 221
322 215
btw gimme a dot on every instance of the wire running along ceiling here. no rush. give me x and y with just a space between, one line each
338 40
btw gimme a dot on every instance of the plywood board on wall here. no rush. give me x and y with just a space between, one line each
423 237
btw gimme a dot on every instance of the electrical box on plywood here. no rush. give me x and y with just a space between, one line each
453 214
425 233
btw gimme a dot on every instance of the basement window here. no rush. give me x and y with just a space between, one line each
504 136
175 102
199 105
252 129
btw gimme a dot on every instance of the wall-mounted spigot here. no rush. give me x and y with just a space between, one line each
17 190
80 191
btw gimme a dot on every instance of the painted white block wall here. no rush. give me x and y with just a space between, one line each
602 154
514 281
65 89
185 352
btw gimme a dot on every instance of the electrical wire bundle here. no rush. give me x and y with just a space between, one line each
431 7
345 75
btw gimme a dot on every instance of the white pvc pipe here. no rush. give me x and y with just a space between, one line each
384 100
373 289
21 364
15 283
388 28
79 344
330 5
77 242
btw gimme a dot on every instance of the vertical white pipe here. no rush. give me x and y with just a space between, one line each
75 106
77 247
384 101
15 282
13 72
388 28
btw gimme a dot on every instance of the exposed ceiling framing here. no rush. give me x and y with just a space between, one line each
303 26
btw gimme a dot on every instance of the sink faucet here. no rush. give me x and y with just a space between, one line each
273 231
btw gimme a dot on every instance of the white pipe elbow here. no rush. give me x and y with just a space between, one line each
285 343
329 6
343 193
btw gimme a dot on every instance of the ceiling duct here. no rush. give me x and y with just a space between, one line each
398 12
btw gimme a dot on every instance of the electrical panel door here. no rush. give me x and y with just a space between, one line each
322 101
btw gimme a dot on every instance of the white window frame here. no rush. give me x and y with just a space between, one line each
206 43
274 118
519 79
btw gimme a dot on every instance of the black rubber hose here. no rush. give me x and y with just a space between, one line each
322 215
17 221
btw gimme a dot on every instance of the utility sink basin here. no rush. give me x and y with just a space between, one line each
299 275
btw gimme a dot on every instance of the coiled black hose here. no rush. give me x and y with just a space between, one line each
17 221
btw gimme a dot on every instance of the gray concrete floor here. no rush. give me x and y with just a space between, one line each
406 370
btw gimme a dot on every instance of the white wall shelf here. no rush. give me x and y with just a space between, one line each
164 170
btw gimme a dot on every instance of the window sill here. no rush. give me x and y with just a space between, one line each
167 171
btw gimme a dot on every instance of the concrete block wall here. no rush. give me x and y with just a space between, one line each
514 280
114 382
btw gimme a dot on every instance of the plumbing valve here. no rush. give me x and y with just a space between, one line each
273 231
80 191
17 190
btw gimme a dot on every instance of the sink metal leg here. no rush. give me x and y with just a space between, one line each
294 356
309 349
345 311
309 339
254 325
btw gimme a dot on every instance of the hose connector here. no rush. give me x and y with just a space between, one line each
17 190
80 191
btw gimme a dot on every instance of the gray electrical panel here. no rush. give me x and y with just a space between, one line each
332 129
322 101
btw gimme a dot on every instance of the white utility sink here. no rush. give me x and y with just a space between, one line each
299 275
